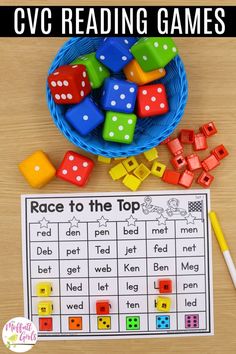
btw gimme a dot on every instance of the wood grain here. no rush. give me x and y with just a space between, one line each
26 125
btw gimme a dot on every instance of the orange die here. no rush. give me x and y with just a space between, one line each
75 323
37 169
135 73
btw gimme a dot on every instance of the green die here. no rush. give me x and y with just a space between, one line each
154 52
119 127
97 72
132 323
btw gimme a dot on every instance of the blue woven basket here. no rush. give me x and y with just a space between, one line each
148 133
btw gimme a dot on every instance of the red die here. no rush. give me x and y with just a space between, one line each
75 168
208 129
210 162
194 162
69 84
200 142
220 152
45 323
102 307
186 179
179 162
165 286
152 101
186 136
205 179
175 147
171 177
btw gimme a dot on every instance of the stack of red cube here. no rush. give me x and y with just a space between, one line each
185 166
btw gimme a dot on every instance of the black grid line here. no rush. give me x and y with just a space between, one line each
117 239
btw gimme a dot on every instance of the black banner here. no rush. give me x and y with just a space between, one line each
57 21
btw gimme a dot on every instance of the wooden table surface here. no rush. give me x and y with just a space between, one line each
26 126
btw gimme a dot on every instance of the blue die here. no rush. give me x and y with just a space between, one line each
84 116
119 95
114 53
126 41
163 322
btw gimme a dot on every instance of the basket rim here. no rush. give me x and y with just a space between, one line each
87 145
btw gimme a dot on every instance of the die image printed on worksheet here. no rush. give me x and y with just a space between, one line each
118 265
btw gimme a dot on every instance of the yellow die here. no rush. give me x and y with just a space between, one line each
163 304
37 169
104 159
151 154
104 322
43 289
135 73
130 163
117 171
45 308
158 169
142 172
131 182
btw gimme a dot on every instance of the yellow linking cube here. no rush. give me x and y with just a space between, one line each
130 163
119 158
142 172
118 171
45 308
135 73
163 304
132 182
158 169
43 289
37 169
104 159
151 154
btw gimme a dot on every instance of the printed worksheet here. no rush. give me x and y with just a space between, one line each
118 265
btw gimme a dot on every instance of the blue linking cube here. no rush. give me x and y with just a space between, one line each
119 95
84 116
163 322
114 53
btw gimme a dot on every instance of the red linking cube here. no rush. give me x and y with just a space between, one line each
45 323
193 162
205 179
200 142
220 152
208 129
165 141
175 147
186 136
210 163
186 179
171 177
179 162
165 286
102 307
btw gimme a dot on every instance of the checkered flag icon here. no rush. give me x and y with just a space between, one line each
195 206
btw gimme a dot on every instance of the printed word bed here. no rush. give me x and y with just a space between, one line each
118 265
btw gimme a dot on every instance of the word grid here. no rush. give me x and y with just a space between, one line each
116 248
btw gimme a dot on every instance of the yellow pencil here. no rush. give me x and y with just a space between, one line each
223 245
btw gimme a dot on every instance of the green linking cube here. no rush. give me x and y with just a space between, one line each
132 323
154 52
97 72
119 127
